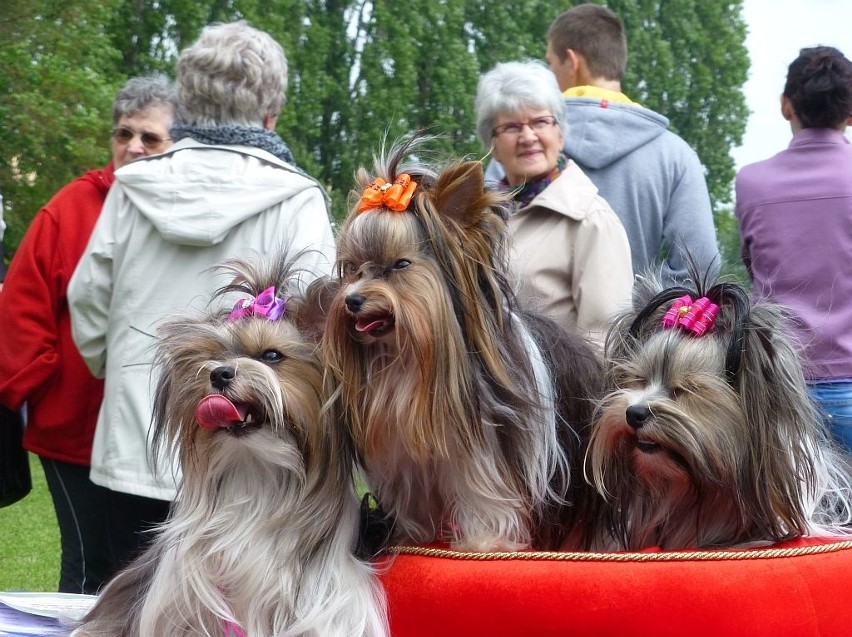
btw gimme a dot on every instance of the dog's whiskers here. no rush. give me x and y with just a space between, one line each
207 366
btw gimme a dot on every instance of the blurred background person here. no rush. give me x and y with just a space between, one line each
227 188
651 177
2 252
39 364
795 213
569 250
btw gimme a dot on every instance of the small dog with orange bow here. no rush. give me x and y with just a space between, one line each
468 414
261 537
709 438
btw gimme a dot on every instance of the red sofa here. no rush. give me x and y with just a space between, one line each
798 589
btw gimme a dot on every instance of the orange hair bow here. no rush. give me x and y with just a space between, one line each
395 196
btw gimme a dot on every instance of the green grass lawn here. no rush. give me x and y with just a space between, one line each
29 540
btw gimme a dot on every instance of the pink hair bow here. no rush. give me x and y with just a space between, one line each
264 304
695 317
233 630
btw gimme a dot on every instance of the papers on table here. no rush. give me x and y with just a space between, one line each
41 614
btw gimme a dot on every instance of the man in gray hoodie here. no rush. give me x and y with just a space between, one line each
651 177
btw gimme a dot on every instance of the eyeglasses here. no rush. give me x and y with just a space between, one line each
123 135
514 129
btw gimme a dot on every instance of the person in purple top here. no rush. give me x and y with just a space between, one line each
795 213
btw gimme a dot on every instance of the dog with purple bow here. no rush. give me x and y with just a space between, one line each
261 537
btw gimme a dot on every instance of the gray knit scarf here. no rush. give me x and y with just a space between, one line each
231 134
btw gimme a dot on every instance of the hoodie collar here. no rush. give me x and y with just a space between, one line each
597 92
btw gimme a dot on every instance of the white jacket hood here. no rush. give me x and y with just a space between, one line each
176 192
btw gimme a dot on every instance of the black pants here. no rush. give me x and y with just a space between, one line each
100 530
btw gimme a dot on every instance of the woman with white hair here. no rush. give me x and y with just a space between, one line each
569 250
231 88
228 187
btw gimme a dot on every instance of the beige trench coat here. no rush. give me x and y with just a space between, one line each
570 255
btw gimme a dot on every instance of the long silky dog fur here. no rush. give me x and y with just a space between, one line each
711 441
468 414
261 537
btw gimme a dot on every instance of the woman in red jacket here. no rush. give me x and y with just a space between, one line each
39 364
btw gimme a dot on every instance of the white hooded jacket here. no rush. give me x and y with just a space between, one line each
166 221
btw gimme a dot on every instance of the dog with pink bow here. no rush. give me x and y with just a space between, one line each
708 437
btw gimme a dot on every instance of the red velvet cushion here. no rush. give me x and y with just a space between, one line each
798 589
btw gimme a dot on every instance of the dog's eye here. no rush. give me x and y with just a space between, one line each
626 377
271 356
348 268
685 388
401 264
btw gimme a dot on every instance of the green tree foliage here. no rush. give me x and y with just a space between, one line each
688 61
57 80
363 72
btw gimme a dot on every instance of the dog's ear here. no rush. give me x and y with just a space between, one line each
780 416
460 193
646 285
771 368
310 312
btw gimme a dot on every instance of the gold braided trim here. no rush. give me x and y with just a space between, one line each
667 556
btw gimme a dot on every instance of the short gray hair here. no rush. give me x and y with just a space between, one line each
140 93
511 87
233 74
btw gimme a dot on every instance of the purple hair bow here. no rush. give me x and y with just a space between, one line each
695 317
264 304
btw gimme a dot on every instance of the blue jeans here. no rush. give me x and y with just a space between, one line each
835 400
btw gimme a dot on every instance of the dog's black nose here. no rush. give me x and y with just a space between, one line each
222 376
638 416
354 301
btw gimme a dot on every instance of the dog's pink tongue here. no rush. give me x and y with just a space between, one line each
368 326
216 411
